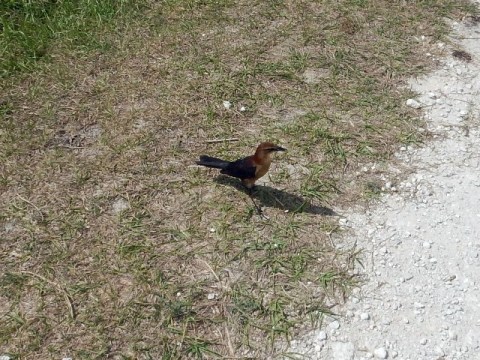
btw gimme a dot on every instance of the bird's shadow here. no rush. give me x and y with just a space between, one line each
271 197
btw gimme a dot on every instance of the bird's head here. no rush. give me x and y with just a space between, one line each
270 147
266 148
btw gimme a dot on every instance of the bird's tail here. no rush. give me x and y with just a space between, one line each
212 162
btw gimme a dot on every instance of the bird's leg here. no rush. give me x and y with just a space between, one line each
259 210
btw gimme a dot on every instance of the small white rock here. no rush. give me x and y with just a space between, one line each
413 103
243 108
439 351
322 335
423 341
419 305
227 104
334 325
364 316
452 335
5 357
211 296
380 353
426 245
118 206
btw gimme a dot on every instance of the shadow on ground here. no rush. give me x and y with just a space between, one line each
271 197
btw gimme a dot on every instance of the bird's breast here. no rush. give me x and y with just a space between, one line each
262 169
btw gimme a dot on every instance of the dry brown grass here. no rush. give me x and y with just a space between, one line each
116 246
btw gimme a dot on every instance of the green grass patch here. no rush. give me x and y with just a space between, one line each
33 30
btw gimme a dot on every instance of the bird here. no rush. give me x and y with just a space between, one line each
248 169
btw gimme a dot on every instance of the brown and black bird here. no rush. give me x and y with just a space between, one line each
248 169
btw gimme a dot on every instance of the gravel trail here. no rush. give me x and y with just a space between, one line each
421 300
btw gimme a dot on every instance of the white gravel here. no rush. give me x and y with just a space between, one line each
421 300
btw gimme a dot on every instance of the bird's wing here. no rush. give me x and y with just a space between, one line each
242 168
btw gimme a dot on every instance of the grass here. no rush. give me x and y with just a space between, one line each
115 244
32 29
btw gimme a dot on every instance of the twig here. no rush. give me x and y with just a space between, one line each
210 268
329 234
28 202
32 204
71 147
229 341
215 141
64 292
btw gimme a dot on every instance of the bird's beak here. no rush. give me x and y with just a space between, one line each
279 148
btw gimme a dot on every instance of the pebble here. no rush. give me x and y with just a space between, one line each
423 341
118 206
5 357
334 325
413 103
322 335
381 353
452 335
364 316
439 351
426 245
227 104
